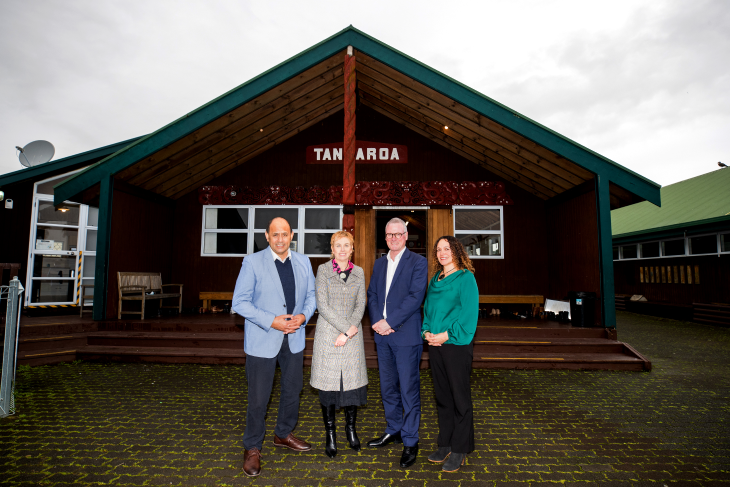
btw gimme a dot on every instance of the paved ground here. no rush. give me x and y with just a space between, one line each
135 424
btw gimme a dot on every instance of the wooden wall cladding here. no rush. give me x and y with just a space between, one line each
15 228
673 284
141 240
522 271
572 242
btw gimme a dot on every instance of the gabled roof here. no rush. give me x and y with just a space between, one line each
65 164
696 201
309 87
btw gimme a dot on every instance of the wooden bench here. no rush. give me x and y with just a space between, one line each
143 286
534 299
208 296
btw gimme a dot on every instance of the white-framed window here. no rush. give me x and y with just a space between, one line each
704 244
62 247
239 230
481 230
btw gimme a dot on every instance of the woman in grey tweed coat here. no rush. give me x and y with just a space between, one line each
338 359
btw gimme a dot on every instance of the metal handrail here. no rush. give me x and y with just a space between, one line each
11 293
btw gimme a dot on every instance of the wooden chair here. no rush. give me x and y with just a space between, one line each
143 286
84 296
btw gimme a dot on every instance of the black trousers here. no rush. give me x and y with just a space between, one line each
260 376
451 370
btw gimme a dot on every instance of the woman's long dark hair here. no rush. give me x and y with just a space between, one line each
458 252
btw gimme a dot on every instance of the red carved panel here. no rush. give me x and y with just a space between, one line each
367 193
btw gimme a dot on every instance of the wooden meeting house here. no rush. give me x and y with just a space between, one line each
346 135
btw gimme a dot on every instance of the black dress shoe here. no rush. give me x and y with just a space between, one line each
384 440
409 456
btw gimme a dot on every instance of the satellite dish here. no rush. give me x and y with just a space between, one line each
36 153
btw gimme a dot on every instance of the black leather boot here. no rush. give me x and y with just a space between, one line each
330 440
350 431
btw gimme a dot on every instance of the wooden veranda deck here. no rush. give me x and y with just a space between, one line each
218 339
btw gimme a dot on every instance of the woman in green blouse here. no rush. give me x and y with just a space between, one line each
450 318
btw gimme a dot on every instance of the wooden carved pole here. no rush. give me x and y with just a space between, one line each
350 149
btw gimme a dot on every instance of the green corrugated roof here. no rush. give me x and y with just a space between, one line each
687 202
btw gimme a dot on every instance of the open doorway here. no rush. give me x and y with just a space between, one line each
417 220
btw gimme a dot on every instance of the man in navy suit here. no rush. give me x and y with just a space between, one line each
275 293
395 294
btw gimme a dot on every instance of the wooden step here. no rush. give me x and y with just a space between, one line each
219 339
162 355
570 361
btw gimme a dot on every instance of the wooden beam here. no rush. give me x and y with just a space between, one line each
526 178
430 96
541 175
605 252
251 122
574 192
258 131
459 124
333 62
285 133
103 240
506 174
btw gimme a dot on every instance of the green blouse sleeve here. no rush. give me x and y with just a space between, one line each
463 329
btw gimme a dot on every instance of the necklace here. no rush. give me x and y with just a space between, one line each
444 274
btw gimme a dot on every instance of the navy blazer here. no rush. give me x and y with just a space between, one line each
407 291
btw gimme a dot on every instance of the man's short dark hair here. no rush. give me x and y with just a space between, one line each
268 227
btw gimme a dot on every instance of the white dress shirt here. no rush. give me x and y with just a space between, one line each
392 266
276 257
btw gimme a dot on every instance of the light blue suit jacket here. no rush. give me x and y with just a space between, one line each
259 297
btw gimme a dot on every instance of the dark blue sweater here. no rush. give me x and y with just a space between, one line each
286 275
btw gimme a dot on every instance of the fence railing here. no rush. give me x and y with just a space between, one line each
11 294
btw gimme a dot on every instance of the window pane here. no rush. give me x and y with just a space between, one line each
703 245
673 247
615 253
263 216
63 215
56 238
322 218
477 219
317 243
629 251
54 265
52 291
650 249
260 243
477 245
91 240
226 218
93 218
725 242
89 267
225 243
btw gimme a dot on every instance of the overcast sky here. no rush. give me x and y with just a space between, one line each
644 83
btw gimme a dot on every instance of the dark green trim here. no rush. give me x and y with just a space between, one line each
553 141
680 229
101 273
49 169
605 252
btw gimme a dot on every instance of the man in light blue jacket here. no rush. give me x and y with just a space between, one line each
275 293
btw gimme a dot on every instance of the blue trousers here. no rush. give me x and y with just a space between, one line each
260 377
400 388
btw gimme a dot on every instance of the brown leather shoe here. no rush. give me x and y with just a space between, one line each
252 462
292 442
